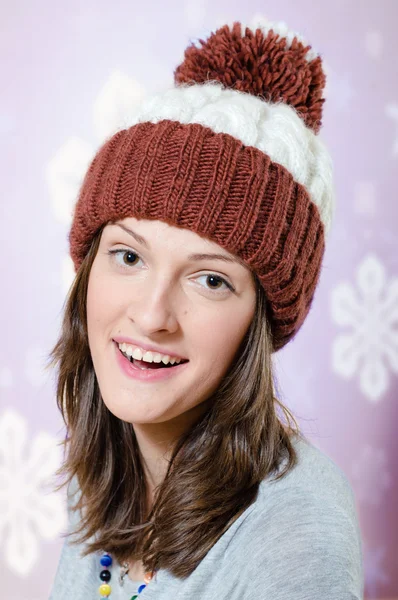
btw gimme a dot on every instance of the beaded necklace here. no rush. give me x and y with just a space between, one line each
105 576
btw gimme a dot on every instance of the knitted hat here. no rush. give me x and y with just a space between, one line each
232 153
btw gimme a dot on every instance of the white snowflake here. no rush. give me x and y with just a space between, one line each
114 106
119 98
371 311
64 175
370 475
28 510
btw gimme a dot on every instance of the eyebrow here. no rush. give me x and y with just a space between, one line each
196 256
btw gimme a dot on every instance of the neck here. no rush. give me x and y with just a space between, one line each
156 442
155 449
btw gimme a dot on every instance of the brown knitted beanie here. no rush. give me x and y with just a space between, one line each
231 152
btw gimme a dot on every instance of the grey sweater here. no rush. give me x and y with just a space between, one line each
300 540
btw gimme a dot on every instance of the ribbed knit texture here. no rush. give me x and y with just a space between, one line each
210 183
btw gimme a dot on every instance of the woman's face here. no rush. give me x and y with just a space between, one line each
160 287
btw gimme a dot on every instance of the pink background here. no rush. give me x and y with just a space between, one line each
68 73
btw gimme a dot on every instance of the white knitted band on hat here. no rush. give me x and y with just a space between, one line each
274 128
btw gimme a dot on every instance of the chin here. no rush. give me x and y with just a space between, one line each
125 411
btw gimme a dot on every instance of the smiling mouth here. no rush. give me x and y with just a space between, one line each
143 364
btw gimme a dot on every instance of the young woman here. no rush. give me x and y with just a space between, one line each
197 240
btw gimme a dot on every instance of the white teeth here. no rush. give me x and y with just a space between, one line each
137 354
148 356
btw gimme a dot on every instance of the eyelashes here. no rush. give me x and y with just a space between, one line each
114 253
124 251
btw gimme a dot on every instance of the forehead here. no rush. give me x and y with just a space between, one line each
155 234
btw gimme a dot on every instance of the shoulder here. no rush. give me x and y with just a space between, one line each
84 568
314 496
304 533
314 476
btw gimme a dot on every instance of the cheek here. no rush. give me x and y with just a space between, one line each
96 302
217 340
103 304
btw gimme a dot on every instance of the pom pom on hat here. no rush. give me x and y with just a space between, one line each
266 60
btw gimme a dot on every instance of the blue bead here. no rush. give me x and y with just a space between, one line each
106 560
142 587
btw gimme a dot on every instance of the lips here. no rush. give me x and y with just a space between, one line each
147 373
146 347
142 364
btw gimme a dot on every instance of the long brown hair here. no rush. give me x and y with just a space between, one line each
215 468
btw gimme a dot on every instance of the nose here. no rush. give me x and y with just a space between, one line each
154 307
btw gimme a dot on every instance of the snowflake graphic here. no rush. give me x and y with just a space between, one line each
371 475
27 509
373 317
114 107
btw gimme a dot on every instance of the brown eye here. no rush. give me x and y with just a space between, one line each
214 281
132 257
129 257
